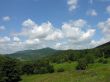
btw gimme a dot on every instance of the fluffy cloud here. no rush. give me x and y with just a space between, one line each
73 30
6 18
91 1
34 41
92 12
105 26
88 34
4 39
47 31
69 31
2 28
16 39
32 30
72 4
55 36
108 9
71 35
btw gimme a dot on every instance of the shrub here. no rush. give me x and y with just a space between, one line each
9 71
82 64
50 69
40 67
103 60
28 69
90 58
60 70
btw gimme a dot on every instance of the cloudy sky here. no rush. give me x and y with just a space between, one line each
59 24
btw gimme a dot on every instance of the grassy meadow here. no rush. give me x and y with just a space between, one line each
96 72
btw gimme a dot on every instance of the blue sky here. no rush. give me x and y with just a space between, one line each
53 23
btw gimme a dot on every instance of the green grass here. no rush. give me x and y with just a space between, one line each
95 73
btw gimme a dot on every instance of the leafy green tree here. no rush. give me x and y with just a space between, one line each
9 71
42 67
50 68
82 64
103 60
38 67
60 70
90 58
27 69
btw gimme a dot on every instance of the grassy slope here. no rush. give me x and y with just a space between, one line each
95 73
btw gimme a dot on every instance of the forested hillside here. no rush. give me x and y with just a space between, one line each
56 62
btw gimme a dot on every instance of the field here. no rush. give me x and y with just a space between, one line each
95 73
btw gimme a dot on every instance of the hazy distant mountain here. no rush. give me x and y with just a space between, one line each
33 54
105 46
46 52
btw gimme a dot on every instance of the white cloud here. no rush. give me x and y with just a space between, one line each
33 30
55 36
92 12
16 39
108 9
28 23
72 4
73 30
95 43
105 26
33 41
88 34
2 28
4 39
58 45
78 23
6 18
91 1
69 36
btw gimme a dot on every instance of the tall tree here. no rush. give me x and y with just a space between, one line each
9 71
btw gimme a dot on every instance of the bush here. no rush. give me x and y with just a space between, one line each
60 70
40 67
50 69
82 64
103 60
28 69
9 71
90 58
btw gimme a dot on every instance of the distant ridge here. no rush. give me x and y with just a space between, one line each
46 52
33 54
105 45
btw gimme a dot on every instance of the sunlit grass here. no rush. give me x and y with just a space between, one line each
95 73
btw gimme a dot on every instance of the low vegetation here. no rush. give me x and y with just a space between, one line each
90 65
60 70
96 72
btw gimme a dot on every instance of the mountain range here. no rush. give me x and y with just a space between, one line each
49 52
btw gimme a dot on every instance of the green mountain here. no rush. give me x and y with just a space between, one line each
104 46
33 54
99 51
60 55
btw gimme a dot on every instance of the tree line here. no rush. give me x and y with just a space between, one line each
11 69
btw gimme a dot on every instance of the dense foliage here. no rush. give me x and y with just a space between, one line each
9 71
82 64
39 67
12 69
33 54
60 70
